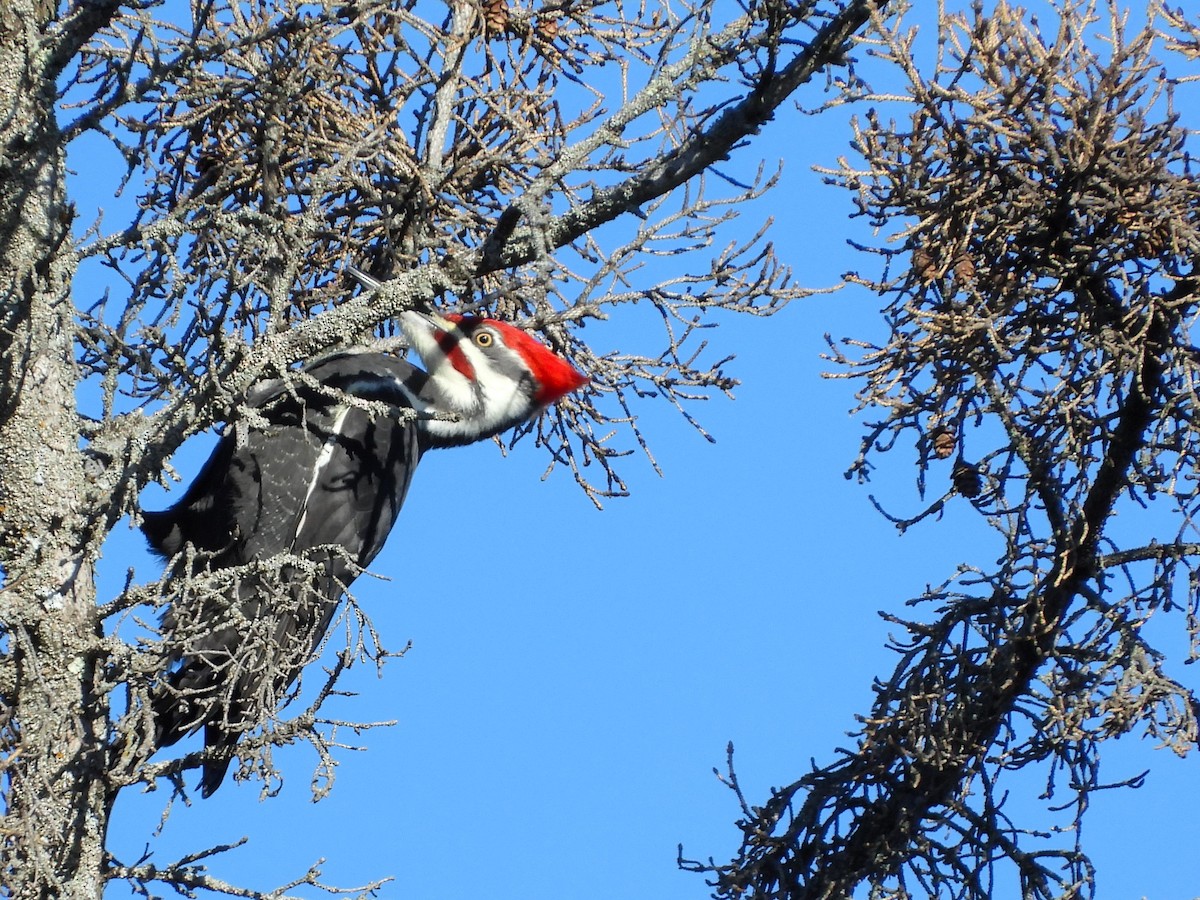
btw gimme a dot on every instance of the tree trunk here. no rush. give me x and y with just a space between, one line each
55 793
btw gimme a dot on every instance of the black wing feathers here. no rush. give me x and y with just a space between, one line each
323 473
199 515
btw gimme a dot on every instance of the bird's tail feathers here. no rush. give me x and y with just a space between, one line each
180 707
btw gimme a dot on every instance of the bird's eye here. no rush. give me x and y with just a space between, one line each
484 338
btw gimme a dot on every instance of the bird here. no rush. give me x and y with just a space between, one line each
318 480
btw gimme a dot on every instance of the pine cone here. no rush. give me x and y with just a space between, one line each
967 480
944 441
495 17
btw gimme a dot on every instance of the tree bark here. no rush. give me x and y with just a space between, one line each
57 807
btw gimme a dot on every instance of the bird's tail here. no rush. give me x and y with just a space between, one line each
237 677
223 743
182 705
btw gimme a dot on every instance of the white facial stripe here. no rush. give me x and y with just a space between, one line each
490 403
456 392
323 459
501 396
494 394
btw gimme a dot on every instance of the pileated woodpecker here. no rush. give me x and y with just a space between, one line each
322 480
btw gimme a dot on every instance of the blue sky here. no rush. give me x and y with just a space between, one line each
576 674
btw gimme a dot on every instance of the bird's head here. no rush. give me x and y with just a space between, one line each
489 374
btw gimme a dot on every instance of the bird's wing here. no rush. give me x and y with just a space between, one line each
356 483
325 473
198 517
322 472
250 489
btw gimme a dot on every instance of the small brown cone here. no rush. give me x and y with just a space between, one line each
967 480
944 441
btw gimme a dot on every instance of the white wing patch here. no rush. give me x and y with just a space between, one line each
323 459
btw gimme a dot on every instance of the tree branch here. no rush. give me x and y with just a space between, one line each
695 154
